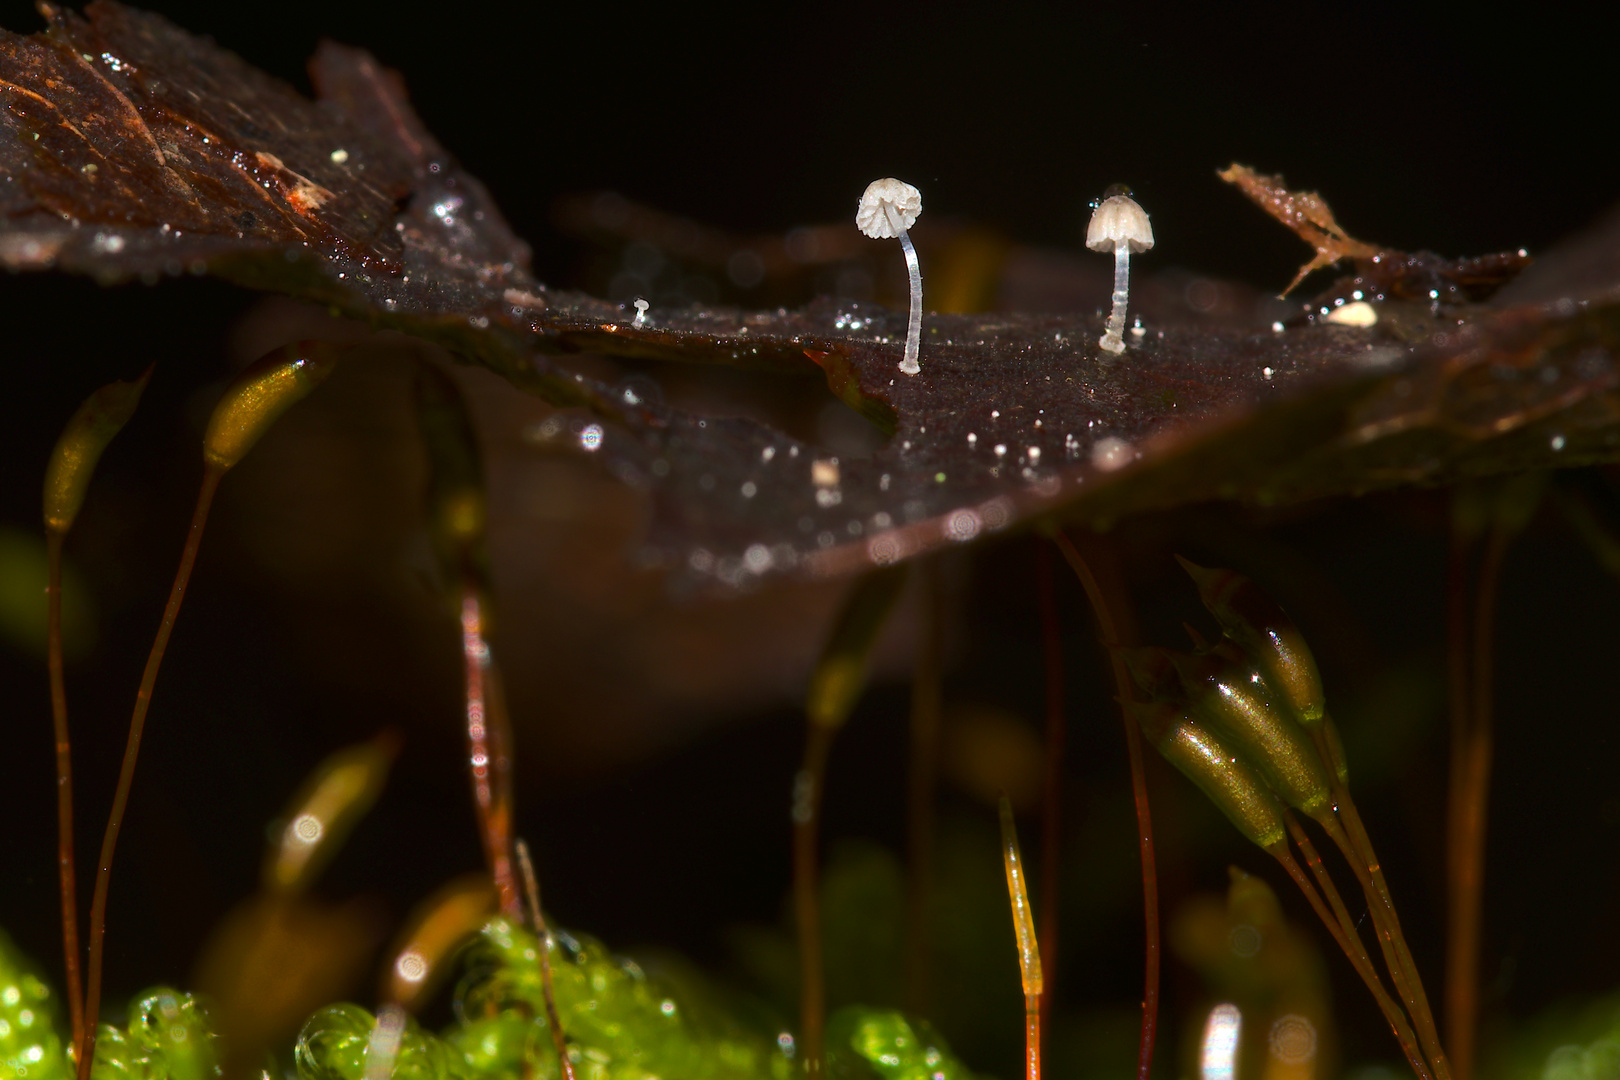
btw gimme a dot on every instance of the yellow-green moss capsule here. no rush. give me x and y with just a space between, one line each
1251 902
320 816
1266 634
1206 760
1238 701
259 395
103 415
455 913
840 674
1029 952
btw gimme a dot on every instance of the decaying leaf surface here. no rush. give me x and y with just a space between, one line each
131 148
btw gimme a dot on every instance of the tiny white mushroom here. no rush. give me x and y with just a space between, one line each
641 311
887 209
1120 225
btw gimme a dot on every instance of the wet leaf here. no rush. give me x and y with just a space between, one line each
131 148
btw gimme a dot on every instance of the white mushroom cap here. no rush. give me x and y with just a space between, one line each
905 199
1119 218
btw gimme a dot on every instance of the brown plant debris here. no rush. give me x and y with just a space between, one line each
1306 213
1380 272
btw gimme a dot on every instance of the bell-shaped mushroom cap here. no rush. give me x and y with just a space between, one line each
907 203
1119 218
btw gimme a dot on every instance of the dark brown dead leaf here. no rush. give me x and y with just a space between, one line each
204 165
134 148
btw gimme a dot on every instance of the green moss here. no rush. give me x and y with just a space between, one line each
118 1058
1598 1059
171 1030
333 1045
29 1044
886 1044
168 1038
621 1025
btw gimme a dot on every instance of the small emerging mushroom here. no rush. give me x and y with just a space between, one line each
1118 223
888 208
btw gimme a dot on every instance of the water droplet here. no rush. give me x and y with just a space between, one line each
962 525
1293 1040
1244 941
640 390
411 966
1111 453
885 549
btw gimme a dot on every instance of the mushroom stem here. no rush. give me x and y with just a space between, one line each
1118 223
1112 339
909 365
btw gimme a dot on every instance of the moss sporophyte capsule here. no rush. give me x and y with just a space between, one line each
1238 701
1265 634
1205 759
92 427
258 396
